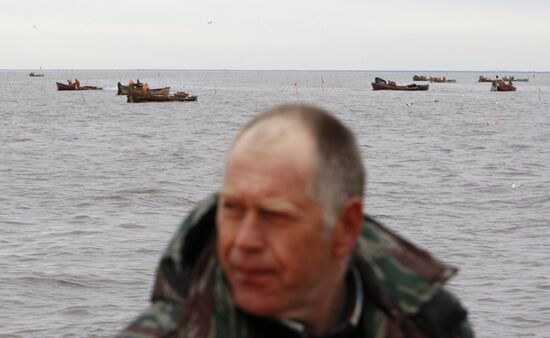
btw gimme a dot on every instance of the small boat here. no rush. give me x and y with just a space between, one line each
138 97
484 79
124 90
501 86
511 78
421 78
381 84
63 86
442 79
33 74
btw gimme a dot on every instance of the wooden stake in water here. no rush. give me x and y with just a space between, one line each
296 88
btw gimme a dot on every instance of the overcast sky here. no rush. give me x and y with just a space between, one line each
282 34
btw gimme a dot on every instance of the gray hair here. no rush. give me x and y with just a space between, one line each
339 172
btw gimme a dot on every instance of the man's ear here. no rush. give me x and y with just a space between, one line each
348 227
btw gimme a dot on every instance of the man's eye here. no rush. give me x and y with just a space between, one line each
273 215
232 206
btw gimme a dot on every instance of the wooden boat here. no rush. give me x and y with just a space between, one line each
442 79
501 86
484 79
63 86
138 97
381 84
123 90
421 78
511 78
33 74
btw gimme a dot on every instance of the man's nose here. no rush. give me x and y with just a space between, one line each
249 236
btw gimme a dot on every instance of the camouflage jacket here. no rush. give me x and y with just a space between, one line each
403 287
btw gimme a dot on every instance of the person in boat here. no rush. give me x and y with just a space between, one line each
131 83
138 83
284 249
392 83
77 83
146 88
70 82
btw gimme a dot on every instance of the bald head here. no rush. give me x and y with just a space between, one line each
315 137
273 133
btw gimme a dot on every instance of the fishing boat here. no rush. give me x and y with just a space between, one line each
442 79
63 86
138 97
421 78
33 74
511 78
484 79
501 86
381 84
124 90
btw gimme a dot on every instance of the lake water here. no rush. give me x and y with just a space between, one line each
92 188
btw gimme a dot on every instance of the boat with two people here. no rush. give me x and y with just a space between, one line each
442 79
75 86
421 78
511 78
485 79
501 86
138 87
381 84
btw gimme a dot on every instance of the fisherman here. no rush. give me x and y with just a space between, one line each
284 249
77 83
70 82
146 88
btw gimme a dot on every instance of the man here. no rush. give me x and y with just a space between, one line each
284 249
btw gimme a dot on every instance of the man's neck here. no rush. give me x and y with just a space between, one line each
329 306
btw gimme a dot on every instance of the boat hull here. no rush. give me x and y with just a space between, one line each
124 90
500 86
411 87
62 86
137 97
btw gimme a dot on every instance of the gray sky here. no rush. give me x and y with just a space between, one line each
282 34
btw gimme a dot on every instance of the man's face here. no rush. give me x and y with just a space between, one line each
272 244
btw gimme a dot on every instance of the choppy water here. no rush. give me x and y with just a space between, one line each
92 187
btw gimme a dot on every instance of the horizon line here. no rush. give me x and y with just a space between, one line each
274 70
